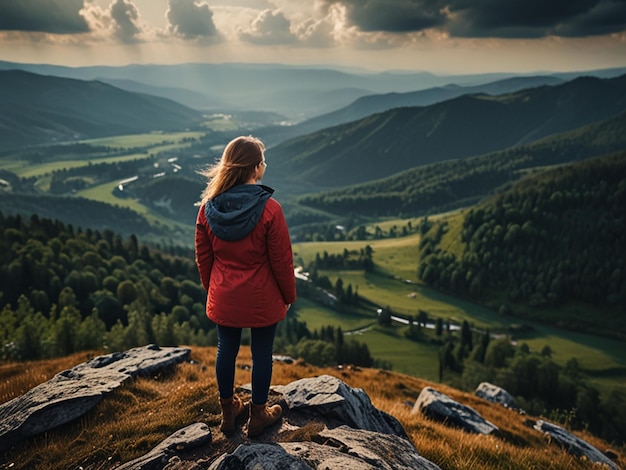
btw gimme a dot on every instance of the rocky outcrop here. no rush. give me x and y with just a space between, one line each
495 394
341 447
573 444
325 424
441 407
73 392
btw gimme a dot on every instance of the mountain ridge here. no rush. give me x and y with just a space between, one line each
396 140
36 109
444 185
372 104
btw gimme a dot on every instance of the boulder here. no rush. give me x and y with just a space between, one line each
266 456
73 392
182 440
574 444
440 407
495 394
329 400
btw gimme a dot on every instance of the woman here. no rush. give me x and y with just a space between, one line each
243 253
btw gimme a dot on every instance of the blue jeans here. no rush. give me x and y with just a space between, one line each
261 345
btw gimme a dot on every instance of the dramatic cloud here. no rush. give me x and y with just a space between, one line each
394 16
191 19
256 4
488 18
605 17
536 18
270 27
126 26
45 16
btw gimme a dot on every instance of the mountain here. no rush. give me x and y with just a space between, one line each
371 104
36 109
440 186
394 141
273 87
298 92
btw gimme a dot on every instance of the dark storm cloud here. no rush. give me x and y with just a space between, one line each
605 18
489 18
535 18
46 16
397 16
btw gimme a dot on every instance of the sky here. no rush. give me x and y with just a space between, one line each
439 36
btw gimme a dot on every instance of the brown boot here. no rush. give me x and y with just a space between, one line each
232 408
262 416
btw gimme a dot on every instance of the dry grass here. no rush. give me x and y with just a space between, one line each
132 420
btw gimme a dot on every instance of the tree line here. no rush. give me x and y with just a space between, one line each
65 290
540 386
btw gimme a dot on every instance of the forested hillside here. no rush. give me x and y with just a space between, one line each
64 290
450 184
555 239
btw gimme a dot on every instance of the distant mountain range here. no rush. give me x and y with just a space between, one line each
296 92
37 109
403 138
393 157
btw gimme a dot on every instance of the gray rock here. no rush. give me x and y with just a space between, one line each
441 407
182 440
330 400
495 394
574 444
317 446
259 456
73 392
348 448
339 448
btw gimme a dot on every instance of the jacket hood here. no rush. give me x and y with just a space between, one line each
232 215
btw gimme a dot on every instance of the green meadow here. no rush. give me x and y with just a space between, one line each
394 284
153 139
150 143
104 193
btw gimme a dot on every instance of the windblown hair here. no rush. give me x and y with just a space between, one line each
240 157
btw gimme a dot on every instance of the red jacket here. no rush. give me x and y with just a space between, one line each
250 280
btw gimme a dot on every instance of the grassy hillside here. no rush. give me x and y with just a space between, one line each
390 142
131 421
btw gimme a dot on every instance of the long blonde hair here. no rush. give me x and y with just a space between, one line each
239 159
